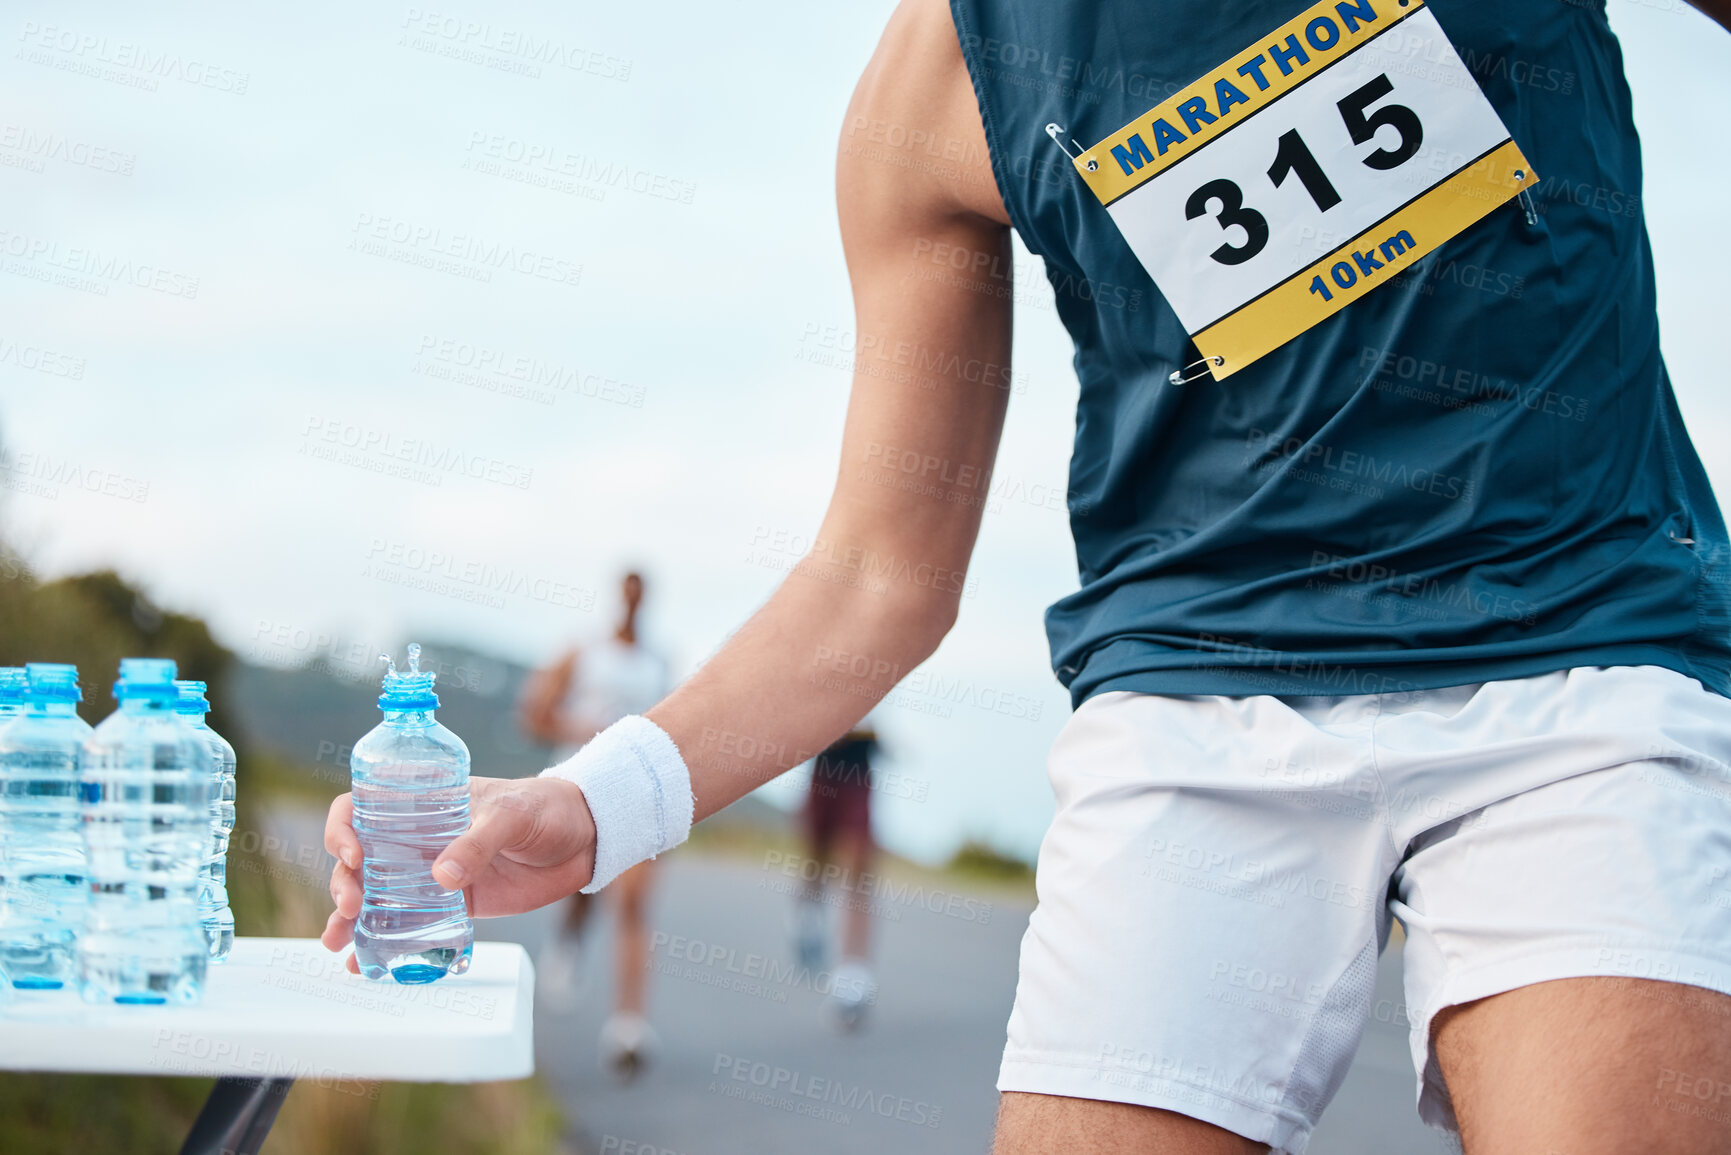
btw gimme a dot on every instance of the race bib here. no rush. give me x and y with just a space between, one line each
1304 172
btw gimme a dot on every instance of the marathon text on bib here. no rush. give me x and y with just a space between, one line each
1304 172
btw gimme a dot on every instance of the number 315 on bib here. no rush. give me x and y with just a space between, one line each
1355 122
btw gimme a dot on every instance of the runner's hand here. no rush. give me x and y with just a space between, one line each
531 841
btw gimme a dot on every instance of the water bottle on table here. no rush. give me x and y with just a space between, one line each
410 781
13 684
213 910
145 781
11 705
42 883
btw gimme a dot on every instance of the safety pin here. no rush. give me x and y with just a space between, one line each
1056 132
1526 198
1184 376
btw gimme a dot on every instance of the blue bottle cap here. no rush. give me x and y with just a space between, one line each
53 682
147 678
13 685
191 700
409 689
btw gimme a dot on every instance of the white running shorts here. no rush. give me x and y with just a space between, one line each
1218 880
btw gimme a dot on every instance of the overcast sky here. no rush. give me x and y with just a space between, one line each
302 203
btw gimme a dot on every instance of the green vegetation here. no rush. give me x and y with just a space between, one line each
54 1114
978 860
752 829
94 620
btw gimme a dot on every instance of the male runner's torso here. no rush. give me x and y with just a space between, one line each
1477 471
612 680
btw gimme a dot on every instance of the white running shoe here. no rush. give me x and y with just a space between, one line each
559 972
851 992
628 1043
810 932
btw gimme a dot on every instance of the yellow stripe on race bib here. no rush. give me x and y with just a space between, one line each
1372 258
1226 96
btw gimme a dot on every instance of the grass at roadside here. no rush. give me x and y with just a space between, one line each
977 867
55 1114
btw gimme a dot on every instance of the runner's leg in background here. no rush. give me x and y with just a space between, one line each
631 892
628 1042
856 854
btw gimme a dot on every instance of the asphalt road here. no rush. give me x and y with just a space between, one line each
918 1078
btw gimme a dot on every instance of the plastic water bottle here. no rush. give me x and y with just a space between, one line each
13 683
213 911
42 883
145 781
410 779
11 705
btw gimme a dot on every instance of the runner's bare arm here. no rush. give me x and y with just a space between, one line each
1719 10
545 689
883 584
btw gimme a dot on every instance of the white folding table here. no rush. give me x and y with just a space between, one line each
281 1010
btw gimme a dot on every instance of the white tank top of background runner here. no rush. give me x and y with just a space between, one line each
612 680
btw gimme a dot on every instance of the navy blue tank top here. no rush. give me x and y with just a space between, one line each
1477 471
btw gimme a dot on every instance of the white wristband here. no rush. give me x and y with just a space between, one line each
639 793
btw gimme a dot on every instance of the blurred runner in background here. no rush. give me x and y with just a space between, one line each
564 705
837 821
